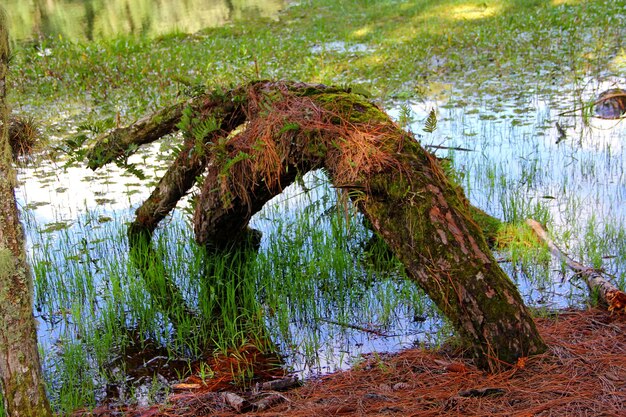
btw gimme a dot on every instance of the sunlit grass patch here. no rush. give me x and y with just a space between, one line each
464 11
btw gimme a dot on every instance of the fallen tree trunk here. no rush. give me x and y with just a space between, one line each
117 143
610 295
226 107
401 189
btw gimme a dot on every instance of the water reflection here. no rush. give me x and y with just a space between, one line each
101 19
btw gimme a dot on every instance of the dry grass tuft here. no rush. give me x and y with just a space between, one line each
24 136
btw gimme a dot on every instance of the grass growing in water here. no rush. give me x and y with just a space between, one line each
309 287
90 296
398 52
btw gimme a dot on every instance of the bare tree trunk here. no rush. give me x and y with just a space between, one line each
22 384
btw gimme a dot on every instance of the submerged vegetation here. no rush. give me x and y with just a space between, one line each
499 75
308 287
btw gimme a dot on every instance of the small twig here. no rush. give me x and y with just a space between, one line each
450 148
595 103
610 326
571 111
356 327
482 392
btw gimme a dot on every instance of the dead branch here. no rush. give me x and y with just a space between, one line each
609 294
112 145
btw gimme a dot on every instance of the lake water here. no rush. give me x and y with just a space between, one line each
98 19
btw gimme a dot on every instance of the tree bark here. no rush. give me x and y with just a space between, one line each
226 110
401 189
609 294
22 384
117 143
426 223
397 185
228 113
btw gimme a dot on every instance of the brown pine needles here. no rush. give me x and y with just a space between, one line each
295 132
582 374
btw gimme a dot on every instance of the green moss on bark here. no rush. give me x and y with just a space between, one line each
403 191
351 107
426 221
20 375
7 263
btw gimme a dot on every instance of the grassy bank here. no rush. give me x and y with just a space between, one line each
392 49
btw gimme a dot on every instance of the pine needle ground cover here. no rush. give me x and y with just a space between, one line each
582 374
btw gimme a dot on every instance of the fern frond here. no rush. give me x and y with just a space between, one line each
204 127
431 122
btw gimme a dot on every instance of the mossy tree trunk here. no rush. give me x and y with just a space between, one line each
426 223
401 188
22 383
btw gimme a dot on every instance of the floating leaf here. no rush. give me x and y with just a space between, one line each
54 227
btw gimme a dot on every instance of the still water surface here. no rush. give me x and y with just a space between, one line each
102 19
